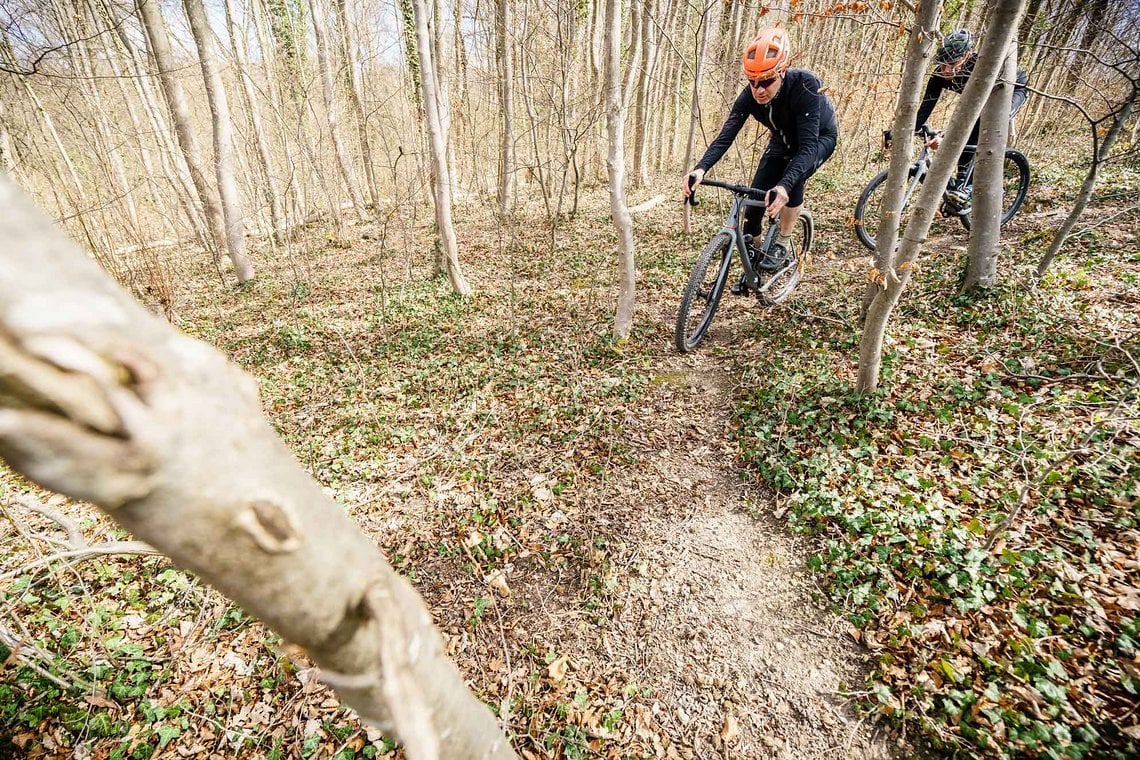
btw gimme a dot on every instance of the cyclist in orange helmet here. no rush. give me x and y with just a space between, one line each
801 119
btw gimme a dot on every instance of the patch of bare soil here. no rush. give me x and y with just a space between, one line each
721 619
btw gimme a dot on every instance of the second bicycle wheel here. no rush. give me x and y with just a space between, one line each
868 209
702 294
1015 185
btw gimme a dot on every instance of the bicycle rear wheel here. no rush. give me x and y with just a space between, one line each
702 294
1015 186
781 284
868 209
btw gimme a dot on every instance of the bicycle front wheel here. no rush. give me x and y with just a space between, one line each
868 209
702 294
1015 186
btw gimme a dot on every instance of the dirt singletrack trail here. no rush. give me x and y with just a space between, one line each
745 664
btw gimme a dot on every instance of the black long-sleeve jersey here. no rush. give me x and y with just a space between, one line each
936 85
797 116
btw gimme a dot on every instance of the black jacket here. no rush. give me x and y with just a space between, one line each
937 84
797 116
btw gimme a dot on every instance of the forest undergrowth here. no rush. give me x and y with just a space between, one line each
467 436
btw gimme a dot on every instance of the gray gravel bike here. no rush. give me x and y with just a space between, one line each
1015 182
710 275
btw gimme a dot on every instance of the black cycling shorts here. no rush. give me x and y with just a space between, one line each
773 164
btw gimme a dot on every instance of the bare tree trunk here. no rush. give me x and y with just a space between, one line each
83 60
105 403
155 30
635 63
443 97
295 193
173 164
356 97
244 74
695 107
641 104
985 232
991 57
1089 184
7 160
537 163
324 61
223 139
440 180
504 49
906 110
619 210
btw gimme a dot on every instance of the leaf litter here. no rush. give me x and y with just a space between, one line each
572 510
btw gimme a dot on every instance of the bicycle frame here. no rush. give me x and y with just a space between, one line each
921 167
743 198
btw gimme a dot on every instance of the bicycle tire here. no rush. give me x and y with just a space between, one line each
700 290
867 210
1015 174
782 284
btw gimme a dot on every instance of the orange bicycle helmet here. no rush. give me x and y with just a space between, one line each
767 55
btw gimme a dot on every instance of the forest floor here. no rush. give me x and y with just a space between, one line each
607 568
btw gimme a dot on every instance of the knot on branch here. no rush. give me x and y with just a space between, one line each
273 527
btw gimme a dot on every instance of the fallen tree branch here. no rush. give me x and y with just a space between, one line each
79 554
646 205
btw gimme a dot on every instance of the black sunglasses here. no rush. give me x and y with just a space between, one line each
760 84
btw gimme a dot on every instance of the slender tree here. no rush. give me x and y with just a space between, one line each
505 55
985 232
174 170
694 108
441 180
642 109
918 50
1100 155
260 141
324 63
7 160
356 100
159 45
619 210
232 212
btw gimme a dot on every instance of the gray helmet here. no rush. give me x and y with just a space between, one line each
954 46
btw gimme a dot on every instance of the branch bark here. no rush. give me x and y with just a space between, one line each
105 403
989 165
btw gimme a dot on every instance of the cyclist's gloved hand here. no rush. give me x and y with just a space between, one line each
692 179
932 136
776 198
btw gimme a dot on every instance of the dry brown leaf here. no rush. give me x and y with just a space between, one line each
498 581
558 668
730 730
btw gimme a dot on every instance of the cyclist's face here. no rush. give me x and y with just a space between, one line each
763 90
950 69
